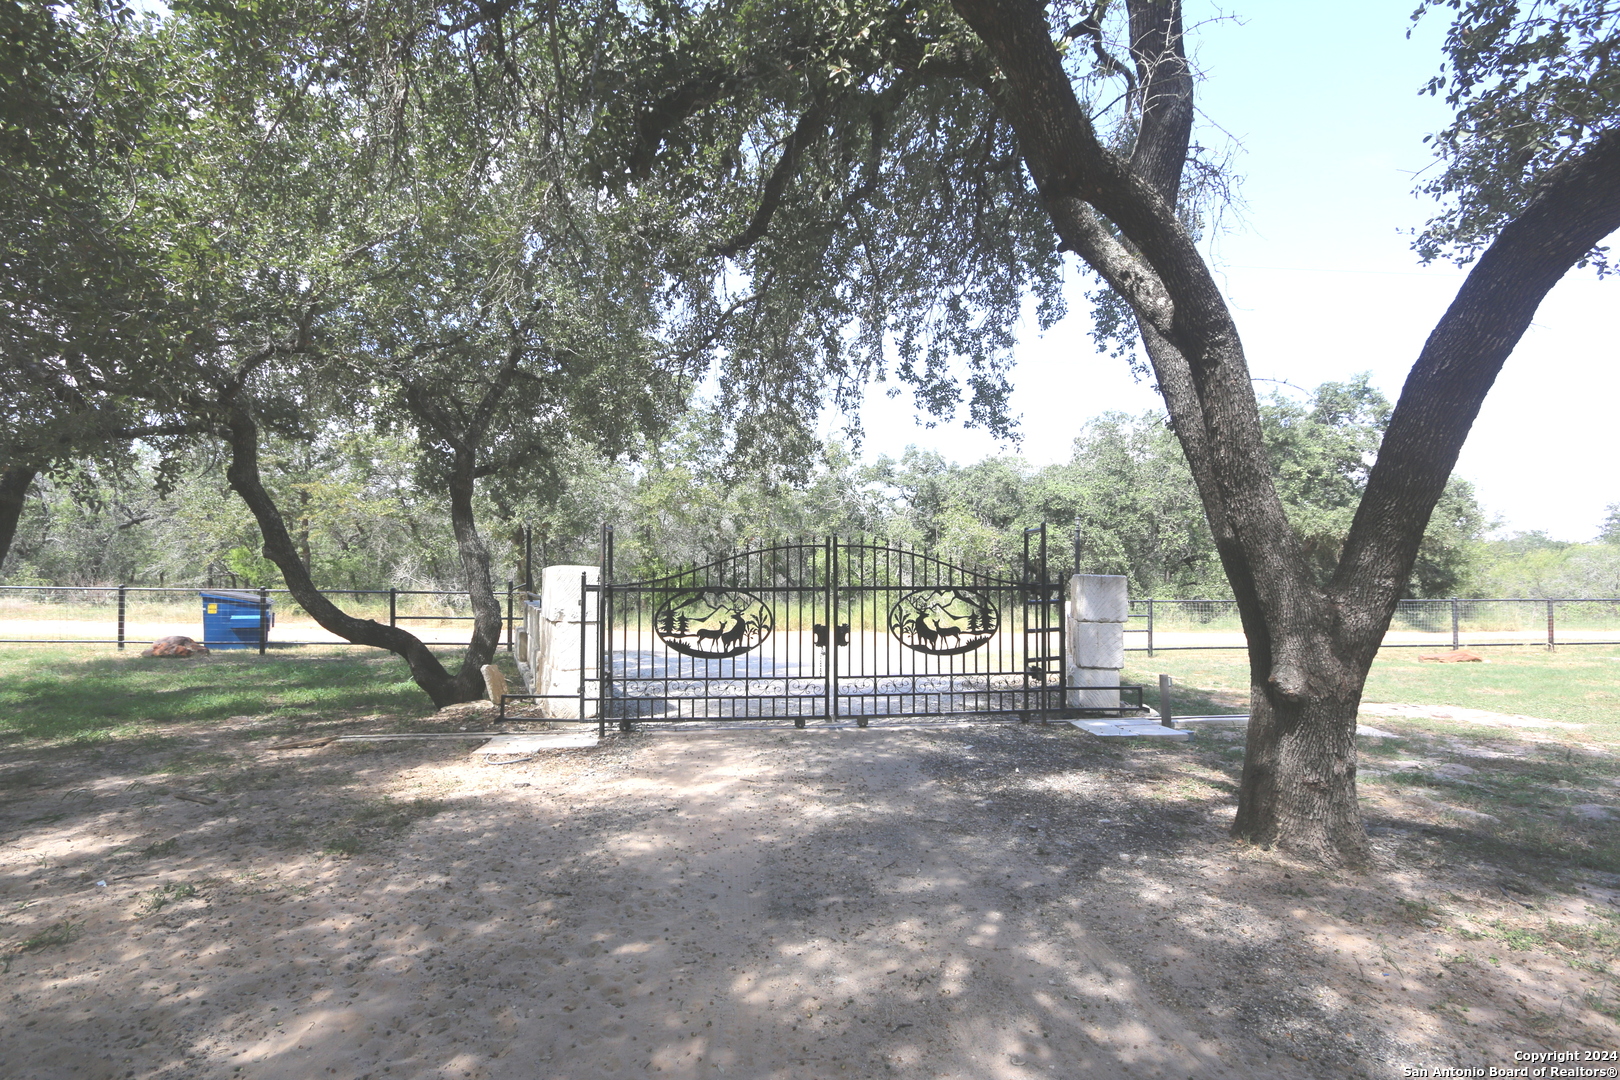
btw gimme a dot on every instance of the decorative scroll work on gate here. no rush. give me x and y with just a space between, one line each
944 621
713 624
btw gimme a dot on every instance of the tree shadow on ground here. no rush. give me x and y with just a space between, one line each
993 900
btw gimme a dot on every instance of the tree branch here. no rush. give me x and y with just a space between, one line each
806 131
1070 166
1160 153
1575 206
1091 27
653 123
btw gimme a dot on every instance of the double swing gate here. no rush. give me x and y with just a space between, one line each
829 631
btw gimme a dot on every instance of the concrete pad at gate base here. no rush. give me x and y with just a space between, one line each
531 744
1146 729
1097 645
1098 598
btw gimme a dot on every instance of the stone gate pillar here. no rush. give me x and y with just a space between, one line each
1098 608
553 626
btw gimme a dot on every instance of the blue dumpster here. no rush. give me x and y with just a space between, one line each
235 618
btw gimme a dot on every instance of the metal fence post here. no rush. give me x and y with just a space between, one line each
1165 716
830 668
393 604
123 594
509 615
264 618
584 615
1150 625
1551 640
1455 644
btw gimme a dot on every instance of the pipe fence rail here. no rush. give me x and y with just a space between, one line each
1456 623
140 614
122 615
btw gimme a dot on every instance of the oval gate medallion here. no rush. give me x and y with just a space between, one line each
944 621
713 623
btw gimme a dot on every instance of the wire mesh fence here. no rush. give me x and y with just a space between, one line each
125 615
1445 623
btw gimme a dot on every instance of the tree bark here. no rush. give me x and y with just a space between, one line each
1575 206
242 433
474 555
14 483
464 431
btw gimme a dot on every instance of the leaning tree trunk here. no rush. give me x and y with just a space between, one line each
243 475
14 483
487 620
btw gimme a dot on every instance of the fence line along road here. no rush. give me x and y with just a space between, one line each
123 614
1164 625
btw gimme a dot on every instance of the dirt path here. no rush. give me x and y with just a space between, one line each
991 901
777 911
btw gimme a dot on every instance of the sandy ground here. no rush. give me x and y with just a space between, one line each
972 901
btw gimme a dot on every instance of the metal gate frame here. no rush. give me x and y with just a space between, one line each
831 630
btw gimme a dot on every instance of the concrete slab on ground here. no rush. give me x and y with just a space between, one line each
531 744
1109 728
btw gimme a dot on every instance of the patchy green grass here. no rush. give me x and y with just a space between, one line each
1205 683
161 897
161 849
1574 684
79 694
357 826
58 933
1523 798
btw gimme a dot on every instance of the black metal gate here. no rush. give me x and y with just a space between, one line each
830 631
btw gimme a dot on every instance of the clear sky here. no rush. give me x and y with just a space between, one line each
1322 100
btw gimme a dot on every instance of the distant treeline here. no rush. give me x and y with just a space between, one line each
362 519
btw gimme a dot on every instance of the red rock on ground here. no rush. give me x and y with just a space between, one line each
1456 656
178 646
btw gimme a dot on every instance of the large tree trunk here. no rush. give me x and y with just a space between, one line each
243 475
487 618
14 483
1299 769
464 431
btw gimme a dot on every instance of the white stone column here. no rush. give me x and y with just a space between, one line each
555 624
1097 611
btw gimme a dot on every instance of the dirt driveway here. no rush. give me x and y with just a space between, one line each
983 901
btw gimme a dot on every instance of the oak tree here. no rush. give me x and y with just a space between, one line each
844 138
